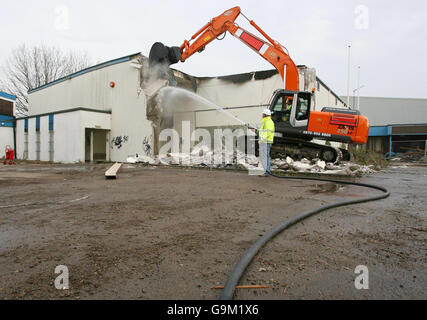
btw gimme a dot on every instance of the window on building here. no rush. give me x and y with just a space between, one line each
318 85
6 107
51 122
38 138
25 155
51 144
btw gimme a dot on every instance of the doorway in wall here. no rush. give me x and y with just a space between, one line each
96 145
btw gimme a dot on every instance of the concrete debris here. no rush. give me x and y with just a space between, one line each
140 159
204 157
319 166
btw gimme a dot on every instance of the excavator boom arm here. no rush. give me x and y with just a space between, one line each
270 50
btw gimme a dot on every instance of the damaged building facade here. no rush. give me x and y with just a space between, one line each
104 112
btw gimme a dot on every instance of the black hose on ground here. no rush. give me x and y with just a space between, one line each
228 291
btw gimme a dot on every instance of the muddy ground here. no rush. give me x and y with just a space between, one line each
171 233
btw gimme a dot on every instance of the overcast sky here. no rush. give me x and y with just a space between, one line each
388 38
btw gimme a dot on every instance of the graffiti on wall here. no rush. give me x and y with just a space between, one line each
146 145
118 141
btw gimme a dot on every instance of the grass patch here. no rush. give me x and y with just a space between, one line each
364 157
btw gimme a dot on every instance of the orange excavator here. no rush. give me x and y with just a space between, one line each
295 121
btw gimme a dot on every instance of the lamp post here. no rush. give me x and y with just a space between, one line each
348 77
358 88
358 97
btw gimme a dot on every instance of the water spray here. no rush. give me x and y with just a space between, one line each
171 97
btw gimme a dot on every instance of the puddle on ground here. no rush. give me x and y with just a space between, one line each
327 188
9 238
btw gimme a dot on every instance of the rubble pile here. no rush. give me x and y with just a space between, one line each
206 158
319 166
140 159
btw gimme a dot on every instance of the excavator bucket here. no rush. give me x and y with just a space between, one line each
161 54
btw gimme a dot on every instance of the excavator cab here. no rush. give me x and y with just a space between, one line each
290 109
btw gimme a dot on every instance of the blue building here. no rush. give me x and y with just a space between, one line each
7 121
397 125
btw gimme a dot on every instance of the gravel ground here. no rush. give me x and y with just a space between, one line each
172 233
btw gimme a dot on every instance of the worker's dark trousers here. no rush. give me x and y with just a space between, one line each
264 156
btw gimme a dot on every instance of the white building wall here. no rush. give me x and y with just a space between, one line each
249 93
95 120
44 138
92 90
32 139
68 138
325 98
68 135
20 135
227 94
6 139
218 118
129 122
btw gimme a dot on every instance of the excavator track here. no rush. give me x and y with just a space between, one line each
299 149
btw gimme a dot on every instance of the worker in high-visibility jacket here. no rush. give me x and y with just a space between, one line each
266 139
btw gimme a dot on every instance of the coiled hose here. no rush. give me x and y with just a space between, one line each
228 291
